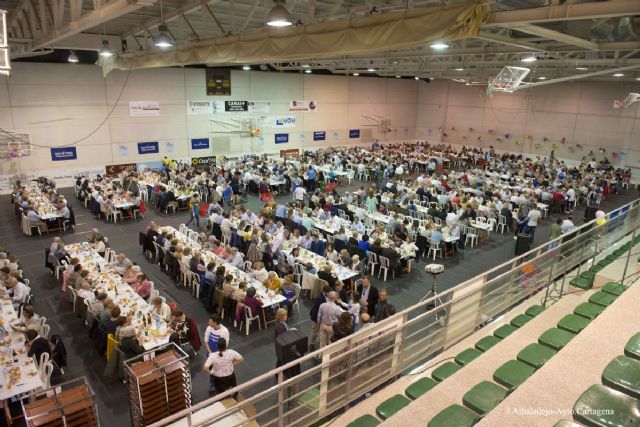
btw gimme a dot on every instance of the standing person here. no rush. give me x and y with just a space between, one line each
212 335
327 315
532 220
220 366
194 208
368 295
381 307
315 326
555 232
342 327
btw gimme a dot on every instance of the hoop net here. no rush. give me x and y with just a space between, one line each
507 80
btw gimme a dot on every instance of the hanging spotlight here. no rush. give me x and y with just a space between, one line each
531 58
73 58
398 77
308 71
105 50
439 46
163 39
371 70
356 74
279 16
246 67
417 78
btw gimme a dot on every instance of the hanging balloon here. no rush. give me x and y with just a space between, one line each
453 128
518 142
537 146
554 146
490 131
602 151
444 134
499 139
545 139
563 140
614 154
471 130
529 137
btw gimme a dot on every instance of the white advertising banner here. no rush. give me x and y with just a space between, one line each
258 106
221 107
199 108
279 122
303 106
144 108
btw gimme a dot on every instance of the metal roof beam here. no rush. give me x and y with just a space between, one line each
565 12
176 13
107 12
577 76
555 35
509 41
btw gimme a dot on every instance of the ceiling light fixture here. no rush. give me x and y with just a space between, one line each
73 58
371 70
582 68
356 74
530 58
246 67
398 77
305 65
460 69
163 39
439 46
105 50
638 78
618 75
542 78
308 71
416 78
278 15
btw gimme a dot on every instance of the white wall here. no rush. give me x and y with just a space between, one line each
580 112
61 103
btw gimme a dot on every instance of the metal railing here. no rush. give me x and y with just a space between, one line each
356 365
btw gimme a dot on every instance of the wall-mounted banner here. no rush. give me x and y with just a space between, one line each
319 136
240 107
218 81
152 164
336 136
354 133
115 170
293 152
123 150
279 122
203 161
303 106
199 108
144 108
169 146
199 143
281 138
150 147
302 137
63 153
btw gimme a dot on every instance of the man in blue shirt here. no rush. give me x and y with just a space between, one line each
364 243
281 211
436 234
311 178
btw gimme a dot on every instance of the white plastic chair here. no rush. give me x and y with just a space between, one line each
434 247
372 261
247 266
44 359
502 223
183 229
154 293
195 284
472 236
89 316
44 331
384 265
109 256
249 318
45 375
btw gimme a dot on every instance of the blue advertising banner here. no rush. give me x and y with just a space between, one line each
354 133
199 143
282 138
319 136
148 147
63 153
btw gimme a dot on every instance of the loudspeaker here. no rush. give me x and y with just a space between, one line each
523 243
290 345
590 213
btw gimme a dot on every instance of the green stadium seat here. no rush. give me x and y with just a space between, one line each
573 323
534 310
454 416
614 288
620 252
483 397
602 298
487 342
513 373
445 371
623 374
392 405
581 282
567 423
504 331
364 421
588 310
420 387
555 338
601 406
632 348
611 258
597 268
520 320
590 275
536 355
467 356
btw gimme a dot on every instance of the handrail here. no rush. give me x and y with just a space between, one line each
388 326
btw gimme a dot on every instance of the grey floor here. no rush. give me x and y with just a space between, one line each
257 348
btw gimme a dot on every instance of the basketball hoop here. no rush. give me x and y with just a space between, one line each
630 99
507 80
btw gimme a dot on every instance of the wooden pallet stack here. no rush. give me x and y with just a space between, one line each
70 404
159 384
